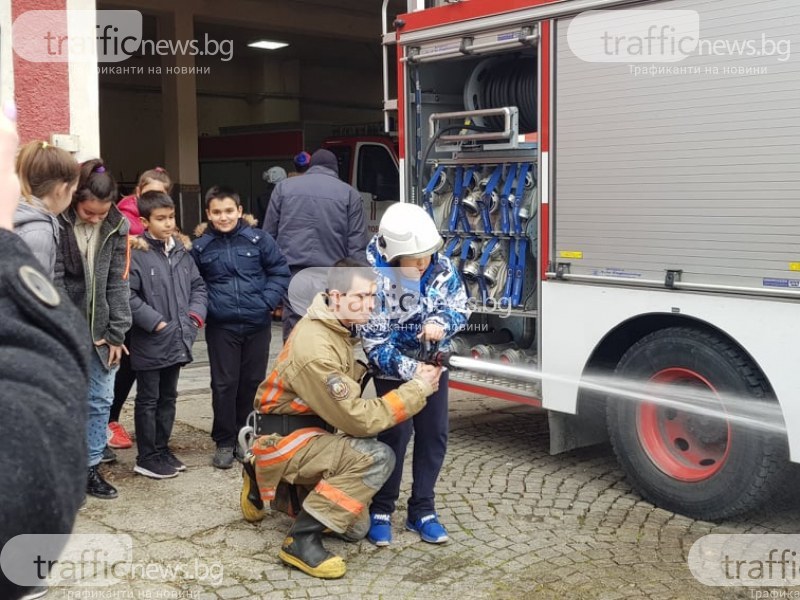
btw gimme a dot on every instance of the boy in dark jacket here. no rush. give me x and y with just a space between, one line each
168 303
246 276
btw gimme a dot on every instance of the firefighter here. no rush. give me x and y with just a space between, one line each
314 388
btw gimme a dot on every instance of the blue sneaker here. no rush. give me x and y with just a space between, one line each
380 530
429 529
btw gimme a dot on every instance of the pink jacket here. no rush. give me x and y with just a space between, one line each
127 206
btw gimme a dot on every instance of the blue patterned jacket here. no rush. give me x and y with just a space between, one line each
403 306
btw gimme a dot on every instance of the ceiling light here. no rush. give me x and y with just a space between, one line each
267 45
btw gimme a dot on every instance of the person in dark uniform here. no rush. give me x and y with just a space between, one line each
44 371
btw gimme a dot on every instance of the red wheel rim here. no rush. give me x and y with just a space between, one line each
684 445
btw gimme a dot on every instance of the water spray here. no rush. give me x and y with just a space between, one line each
742 410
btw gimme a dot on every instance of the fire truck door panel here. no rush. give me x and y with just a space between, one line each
691 165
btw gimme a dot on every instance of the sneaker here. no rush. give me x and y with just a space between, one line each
223 457
119 438
168 457
155 468
380 530
429 529
109 456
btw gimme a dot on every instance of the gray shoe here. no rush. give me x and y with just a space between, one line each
223 457
109 456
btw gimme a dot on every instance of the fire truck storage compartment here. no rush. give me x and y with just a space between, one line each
482 194
695 174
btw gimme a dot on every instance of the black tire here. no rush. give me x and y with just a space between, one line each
750 466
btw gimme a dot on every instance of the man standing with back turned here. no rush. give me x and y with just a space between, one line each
316 219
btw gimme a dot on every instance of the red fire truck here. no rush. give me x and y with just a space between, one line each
620 190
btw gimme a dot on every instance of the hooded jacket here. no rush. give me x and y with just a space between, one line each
245 274
130 210
40 230
168 288
316 219
404 306
103 296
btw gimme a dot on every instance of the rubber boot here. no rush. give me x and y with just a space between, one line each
250 498
303 549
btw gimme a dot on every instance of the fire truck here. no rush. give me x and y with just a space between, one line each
621 205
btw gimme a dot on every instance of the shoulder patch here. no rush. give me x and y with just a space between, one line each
337 388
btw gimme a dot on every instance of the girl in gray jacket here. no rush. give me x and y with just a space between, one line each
95 254
48 177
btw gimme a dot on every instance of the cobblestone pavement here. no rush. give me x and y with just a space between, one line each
523 524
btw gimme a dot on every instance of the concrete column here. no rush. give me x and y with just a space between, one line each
84 86
179 101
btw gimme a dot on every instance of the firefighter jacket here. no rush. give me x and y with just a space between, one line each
317 374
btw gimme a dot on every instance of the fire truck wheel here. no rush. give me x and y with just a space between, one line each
703 466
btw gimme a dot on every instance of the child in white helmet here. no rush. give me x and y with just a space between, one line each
421 300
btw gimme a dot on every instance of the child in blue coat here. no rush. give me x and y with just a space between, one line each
420 300
246 277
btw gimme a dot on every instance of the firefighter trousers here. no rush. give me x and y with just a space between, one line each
343 474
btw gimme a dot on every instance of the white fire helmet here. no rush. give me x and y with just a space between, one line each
406 230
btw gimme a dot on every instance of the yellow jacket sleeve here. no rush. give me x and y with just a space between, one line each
336 398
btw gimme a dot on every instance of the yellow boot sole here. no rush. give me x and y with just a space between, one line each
250 513
333 568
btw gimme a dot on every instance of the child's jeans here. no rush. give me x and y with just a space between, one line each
154 411
101 395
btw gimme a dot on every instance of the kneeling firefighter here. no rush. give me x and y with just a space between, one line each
314 389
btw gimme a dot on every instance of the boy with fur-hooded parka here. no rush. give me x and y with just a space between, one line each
168 304
246 276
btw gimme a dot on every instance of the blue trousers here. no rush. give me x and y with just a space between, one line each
101 396
430 427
